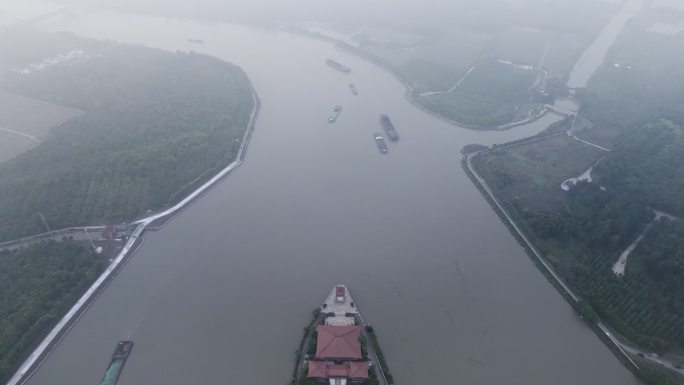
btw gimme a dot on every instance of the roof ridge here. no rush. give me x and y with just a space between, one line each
326 345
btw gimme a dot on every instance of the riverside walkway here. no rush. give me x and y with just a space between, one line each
136 239
625 349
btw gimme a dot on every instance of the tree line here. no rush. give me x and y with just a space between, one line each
155 123
38 285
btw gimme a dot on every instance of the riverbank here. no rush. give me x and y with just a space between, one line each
132 245
628 354
133 152
536 256
301 173
411 93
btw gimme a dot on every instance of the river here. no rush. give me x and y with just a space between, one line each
221 294
593 57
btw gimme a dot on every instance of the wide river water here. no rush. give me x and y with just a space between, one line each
221 294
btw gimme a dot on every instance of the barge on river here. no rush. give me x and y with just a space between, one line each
380 142
335 113
339 348
338 66
389 128
111 376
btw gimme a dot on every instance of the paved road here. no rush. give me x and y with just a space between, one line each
652 357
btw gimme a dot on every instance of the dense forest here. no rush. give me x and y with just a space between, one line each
38 284
635 103
155 124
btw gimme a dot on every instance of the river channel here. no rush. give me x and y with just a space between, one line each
221 294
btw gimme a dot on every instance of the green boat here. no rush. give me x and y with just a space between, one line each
335 114
111 376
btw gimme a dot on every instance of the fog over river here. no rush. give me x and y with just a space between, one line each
221 294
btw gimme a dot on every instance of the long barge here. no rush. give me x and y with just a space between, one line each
338 66
389 128
111 376
339 347
335 113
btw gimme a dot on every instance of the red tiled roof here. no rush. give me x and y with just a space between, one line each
338 342
338 371
317 369
358 370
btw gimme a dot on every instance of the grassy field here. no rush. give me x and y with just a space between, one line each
468 111
434 57
12 145
522 45
532 173
491 95
33 118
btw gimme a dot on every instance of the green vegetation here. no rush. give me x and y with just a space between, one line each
636 110
657 377
433 56
39 284
583 231
381 357
156 124
586 311
490 96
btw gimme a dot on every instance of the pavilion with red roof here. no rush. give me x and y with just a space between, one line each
338 342
338 354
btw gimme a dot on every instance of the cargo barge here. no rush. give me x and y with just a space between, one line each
380 142
338 66
111 376
353 88
339 347
335 113
196 41
389 128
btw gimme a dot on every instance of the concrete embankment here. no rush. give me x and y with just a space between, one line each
484 188
33 362
63 326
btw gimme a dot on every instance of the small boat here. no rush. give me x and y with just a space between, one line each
335 113
353 88
338 66
380 142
